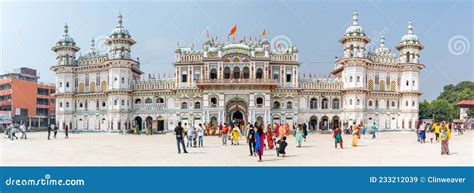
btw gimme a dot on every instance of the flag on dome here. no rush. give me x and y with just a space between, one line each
233 30
264 33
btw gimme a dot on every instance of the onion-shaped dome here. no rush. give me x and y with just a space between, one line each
355 28
92 51
120 31
65 40
410 36
382 49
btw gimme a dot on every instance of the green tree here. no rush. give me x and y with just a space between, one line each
425 110
443 110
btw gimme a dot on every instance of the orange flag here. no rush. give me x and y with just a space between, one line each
278 45
264 33
233 30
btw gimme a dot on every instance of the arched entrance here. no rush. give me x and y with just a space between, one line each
324 124
213 121
313 123
148 122
236 111
335 122
138 123
160 121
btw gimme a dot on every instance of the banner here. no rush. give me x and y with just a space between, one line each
237 179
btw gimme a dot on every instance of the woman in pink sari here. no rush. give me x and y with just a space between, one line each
259 143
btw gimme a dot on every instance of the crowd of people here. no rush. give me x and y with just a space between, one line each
437 132
273 136
257 136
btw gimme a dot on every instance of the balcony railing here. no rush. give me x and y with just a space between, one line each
149 106
236 81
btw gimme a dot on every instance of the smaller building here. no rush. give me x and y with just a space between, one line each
25 99
464 118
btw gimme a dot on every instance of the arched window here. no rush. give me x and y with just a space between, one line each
358 78
103 86
92 87
160 100
289 105
350 101
213 74
227 72
148 101
371 84
246 73
276 74
413 103
276 105
103 104
376 103
406 103
184 105
324 103
313 103
259 74
115 102
350 79
213 102
81 87
393 103
60 104
370 103
259 102
197 105
123 102
335 103
236 73
67 84
138 101
358 102
67 104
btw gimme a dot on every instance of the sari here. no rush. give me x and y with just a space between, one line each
270 139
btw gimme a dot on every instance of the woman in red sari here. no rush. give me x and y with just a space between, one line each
270 137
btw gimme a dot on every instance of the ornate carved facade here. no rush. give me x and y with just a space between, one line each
228 81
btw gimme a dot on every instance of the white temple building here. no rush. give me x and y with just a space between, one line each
249 81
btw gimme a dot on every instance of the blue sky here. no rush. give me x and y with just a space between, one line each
30 28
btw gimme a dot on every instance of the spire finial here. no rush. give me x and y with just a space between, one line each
120 17
355 18
410 27
382 41
92 43
66 29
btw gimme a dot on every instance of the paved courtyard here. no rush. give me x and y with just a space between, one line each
106 149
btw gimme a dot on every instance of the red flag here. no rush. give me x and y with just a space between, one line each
233 30
264 33
278 45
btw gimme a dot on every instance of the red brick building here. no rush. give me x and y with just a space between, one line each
26 99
